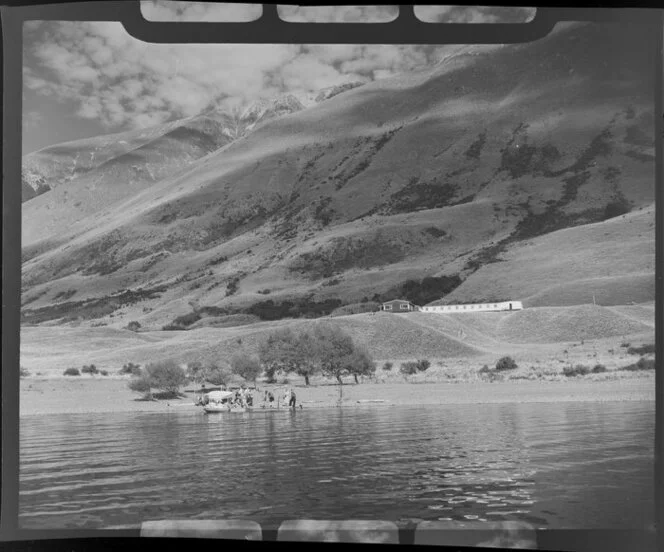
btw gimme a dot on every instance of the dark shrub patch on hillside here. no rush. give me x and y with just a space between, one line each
408 368
643 350
642 364
72 372
516 160
323 213
423 291
423 365
232 286
418 195
131 368
297 308
187 319
90 308
365 150
213 311
506 363
474 150
598 369
64 295
616 208
91 369
435 232
572 185
486 255
134 326
217 261
356 308
578 370
345 253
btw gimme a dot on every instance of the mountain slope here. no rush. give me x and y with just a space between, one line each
434 172
612 261
82 178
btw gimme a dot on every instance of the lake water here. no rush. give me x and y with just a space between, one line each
555 465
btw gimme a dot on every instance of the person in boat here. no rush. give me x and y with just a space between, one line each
249 398
270 398
291 400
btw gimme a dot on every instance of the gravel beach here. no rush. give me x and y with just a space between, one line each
110 394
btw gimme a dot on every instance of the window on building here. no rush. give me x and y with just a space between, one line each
388 307
404 307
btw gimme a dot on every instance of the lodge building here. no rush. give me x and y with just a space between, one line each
401 305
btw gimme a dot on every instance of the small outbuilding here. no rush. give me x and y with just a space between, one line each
398 305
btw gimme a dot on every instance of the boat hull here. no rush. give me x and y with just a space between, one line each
216 409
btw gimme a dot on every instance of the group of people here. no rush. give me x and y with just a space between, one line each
243 398
288 398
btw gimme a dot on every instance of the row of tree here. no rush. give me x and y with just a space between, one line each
324 349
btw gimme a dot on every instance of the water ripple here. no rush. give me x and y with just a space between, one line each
570 465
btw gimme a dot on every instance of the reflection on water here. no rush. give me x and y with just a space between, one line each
570 465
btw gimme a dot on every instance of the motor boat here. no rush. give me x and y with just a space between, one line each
217 401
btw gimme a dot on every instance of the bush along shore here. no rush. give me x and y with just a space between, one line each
330 368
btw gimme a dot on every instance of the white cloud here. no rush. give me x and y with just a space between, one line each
338 14
125 83
474 14
169 10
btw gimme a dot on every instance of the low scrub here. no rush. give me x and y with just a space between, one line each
91 369
134 326
72 372
104 372
642 350
491 375
387 366
409 368
165 376
356 308
421 292
578 370
297 308
228 321
423 365
131 368
506 363
642 364
24 373
598 369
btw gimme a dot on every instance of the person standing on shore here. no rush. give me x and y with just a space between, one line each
291 402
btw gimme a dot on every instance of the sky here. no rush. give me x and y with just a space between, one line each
84 78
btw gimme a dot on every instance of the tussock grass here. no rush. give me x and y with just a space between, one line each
566 324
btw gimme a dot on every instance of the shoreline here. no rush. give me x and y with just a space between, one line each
95 395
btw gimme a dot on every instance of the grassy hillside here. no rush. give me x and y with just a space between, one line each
533 335
437 172
614 260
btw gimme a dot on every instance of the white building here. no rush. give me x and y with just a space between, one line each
476 307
